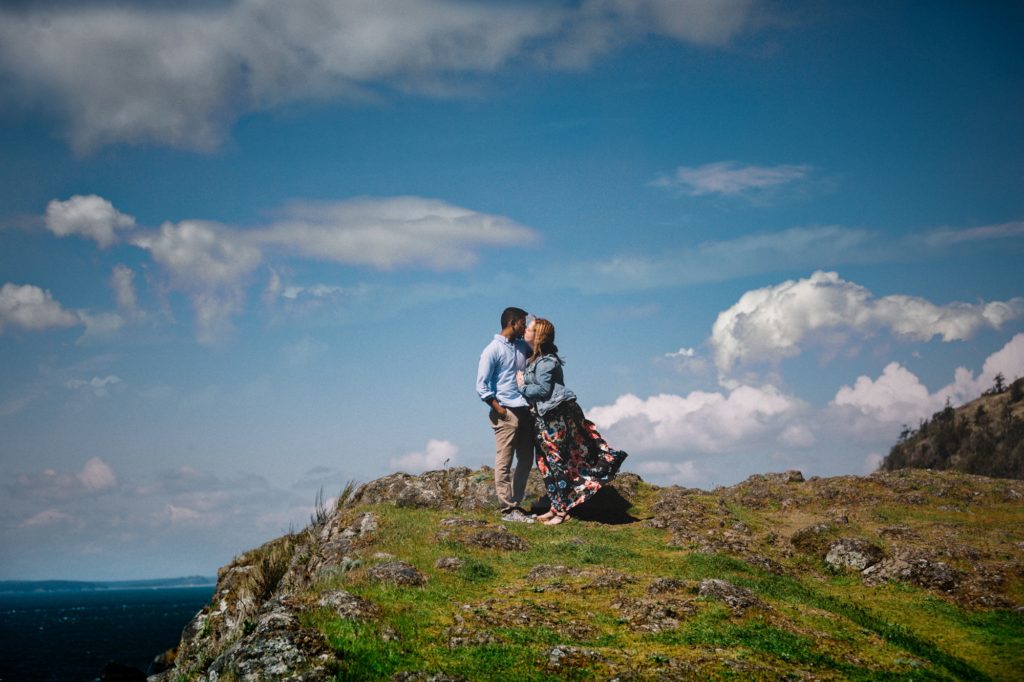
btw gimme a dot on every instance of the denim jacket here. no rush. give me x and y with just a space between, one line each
544 385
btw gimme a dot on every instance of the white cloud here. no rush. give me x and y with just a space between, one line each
97 385
122 281
776 322
438 454
99 326
182 514
874 410
666 472
682 353
201 253
698 422
95 477
797 436
1008 361
896 397
181 75
729 178
90 216
209 261
28 307
948 237
393 232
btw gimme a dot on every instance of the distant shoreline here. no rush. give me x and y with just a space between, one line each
52 586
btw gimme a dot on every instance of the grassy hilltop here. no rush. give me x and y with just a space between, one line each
900 575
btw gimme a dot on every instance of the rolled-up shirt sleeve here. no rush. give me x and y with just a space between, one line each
485 375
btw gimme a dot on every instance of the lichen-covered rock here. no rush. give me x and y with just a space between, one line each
571 657
397 573
277 647
920 571
790 476
498 538
480 624
854 553
813 539
662 585
739 598
653 615
347 606
449 563
329 547
455 488
459 522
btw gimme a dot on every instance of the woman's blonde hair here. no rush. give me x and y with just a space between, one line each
543 339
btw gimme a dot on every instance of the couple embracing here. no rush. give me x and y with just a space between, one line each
520 377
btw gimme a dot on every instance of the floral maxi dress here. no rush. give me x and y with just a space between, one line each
572 456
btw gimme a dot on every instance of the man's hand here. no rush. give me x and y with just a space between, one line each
519 378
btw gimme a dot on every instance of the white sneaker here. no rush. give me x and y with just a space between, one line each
518 516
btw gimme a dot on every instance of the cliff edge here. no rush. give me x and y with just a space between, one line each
909 574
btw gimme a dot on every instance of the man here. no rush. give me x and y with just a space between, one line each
510 416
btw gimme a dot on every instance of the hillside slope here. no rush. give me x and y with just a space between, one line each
984 437
900 575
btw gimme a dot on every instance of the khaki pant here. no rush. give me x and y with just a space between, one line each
513 434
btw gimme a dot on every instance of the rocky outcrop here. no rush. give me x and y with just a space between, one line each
909 527
738 598
853 553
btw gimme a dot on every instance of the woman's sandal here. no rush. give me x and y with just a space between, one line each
557 519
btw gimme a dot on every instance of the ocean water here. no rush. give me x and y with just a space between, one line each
58 636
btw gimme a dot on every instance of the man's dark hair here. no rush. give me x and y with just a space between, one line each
510 315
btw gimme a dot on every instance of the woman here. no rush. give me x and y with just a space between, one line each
571 455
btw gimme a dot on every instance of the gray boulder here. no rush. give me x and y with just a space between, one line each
853 553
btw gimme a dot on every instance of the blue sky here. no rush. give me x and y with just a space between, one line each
249 249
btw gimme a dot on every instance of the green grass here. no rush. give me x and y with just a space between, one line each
828 625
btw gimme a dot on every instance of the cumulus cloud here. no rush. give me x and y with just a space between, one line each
213 263
95 477
896 397
181 75
776 322
438 453
89 216
209 261
1008 361
393 232
730 178
874 409
25 306
705 422
201 253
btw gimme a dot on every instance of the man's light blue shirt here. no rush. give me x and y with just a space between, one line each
496 374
